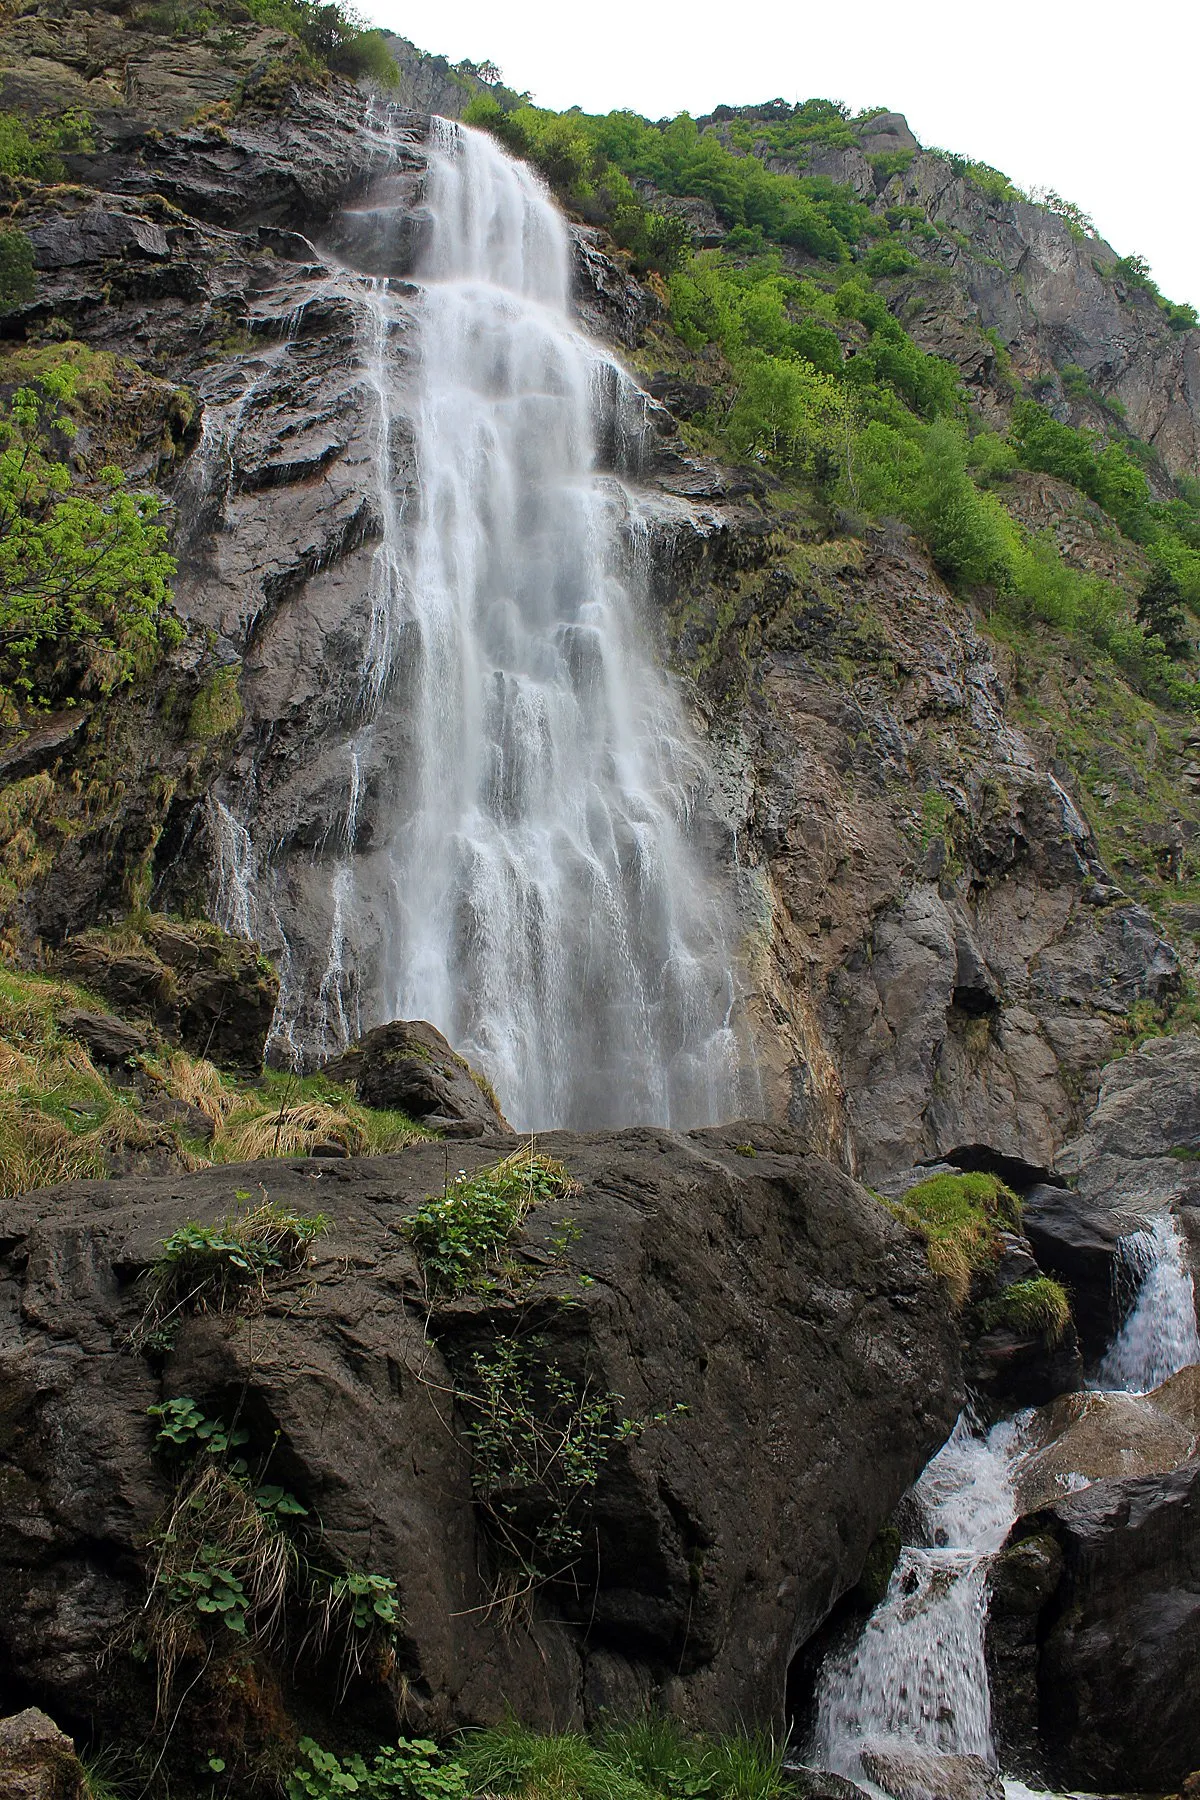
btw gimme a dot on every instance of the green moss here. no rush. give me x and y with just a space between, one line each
961 1218
217 710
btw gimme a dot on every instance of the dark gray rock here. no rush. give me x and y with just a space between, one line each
1079 1245
207 990
408 1066
108 1039
1118 1635
788 1329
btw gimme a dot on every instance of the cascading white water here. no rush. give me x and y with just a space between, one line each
916 1678
1159 1335
529 886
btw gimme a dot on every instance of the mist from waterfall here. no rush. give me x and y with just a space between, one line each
529 879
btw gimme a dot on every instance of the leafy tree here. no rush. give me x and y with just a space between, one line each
82 569
1160 611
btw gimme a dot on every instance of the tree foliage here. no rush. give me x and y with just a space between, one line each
84 569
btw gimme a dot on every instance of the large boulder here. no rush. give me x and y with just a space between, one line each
928 1775
205 989
780 1333
1096 1621
408 1066
1091 1436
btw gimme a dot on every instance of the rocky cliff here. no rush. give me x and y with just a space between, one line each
939 952
962 853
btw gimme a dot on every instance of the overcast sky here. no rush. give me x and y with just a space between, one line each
1091 98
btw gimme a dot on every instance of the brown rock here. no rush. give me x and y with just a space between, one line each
37 1760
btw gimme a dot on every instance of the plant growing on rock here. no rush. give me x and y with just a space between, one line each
234 1552
461 1236
961 1218
216 1268
539 1440
413 1769
1038 1306
84 571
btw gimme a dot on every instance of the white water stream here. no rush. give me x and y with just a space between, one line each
530 882
916 1679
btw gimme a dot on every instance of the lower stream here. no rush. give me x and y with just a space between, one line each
915 1683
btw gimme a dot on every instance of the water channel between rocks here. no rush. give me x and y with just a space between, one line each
915 1683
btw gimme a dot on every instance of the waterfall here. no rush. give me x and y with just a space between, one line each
916 1678
1159 1335
530 875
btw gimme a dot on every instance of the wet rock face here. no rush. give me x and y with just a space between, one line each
780 1319
1135 1160
1111 1632
917 1775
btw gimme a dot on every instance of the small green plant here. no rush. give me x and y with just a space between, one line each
184 1429
413 1769
460 1237
961 1218
1039 1305
216 1268
539 1439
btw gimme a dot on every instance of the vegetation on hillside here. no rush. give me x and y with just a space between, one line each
64 1116
332 36
795 321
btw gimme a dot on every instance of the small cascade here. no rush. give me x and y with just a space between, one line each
1159 1336
916 1679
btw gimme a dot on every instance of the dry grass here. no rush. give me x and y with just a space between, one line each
219 1556
64 1119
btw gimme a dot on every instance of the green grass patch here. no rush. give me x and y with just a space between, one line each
1039 1305
961 1218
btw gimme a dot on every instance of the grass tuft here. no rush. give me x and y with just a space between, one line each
961 1218
1039 1305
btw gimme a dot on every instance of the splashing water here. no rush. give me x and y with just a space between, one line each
916 1678
529 883
1159 1335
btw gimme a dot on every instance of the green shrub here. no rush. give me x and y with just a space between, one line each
81 569
1160 612
1039 1305
890 258
18 283
33 148
460 1237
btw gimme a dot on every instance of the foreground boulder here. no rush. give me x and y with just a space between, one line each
928 1775
408 1066
37 1760
777 1334
1094 1639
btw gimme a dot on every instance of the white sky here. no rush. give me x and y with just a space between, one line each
1093 98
